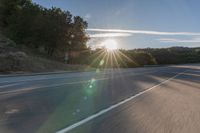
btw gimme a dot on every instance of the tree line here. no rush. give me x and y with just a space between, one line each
174 55
148 56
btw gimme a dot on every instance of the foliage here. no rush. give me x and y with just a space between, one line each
50 31
144 57
174 55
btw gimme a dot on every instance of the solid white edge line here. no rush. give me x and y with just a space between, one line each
69 128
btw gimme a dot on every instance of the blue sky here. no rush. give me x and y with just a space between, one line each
137 23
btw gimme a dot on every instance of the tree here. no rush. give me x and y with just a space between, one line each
78 37
50 31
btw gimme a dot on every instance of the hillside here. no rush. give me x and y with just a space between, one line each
15 60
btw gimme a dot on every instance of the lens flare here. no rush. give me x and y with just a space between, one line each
110 44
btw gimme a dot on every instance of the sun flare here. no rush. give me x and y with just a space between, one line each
110 44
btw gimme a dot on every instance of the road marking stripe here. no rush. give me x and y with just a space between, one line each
69 128
38 79
64 77
57 85
9 85
191 74
196 71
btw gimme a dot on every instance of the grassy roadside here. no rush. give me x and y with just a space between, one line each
15 60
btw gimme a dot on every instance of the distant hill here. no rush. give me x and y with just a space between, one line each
174 55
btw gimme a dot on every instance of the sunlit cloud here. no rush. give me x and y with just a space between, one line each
104 35
174 40
143 32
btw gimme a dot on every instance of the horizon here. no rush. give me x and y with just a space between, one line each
137 24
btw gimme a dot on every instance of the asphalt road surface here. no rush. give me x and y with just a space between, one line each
140 100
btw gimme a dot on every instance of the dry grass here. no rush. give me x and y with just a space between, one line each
13 60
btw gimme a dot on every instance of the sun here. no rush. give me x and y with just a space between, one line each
110 44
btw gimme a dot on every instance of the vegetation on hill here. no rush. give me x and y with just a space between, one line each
146 56
14 59
51 33
174 55
48 31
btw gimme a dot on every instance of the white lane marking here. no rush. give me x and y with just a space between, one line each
191 74
38 79
195 71
9 85
69 128
49 78
57 85
65 76
12 111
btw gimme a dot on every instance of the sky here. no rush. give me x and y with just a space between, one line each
137 23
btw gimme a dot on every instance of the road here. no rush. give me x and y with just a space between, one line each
140 100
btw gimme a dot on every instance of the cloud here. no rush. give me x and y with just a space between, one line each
87 16
174 40
144 32
104 35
